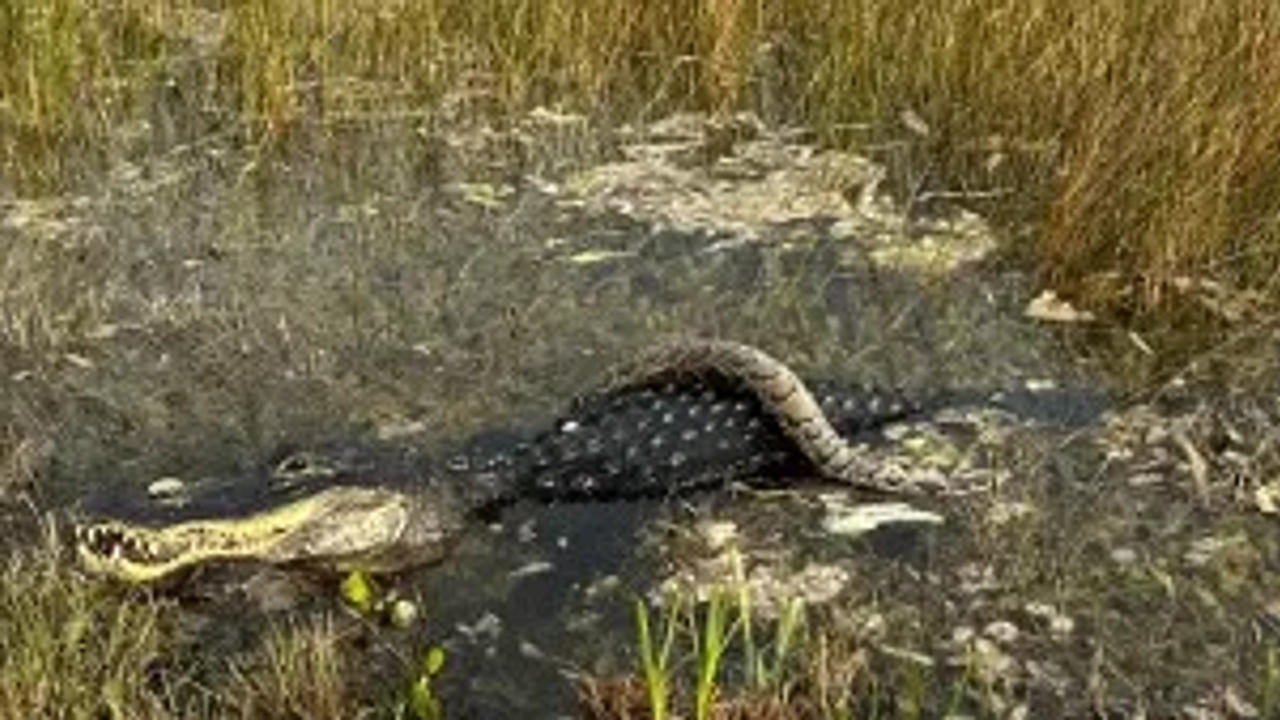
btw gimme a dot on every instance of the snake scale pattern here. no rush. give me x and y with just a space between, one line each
780 392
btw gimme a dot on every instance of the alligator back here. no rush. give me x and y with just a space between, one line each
699 413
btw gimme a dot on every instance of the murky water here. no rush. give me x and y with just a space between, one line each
216 308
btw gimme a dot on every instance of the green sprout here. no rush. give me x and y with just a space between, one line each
656 662
421 701
359 592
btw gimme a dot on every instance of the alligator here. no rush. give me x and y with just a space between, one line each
690 415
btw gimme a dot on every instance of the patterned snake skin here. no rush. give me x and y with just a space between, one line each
687 415
781 393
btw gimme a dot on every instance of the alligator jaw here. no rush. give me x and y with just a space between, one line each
338 528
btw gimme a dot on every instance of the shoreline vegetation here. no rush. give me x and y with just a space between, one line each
1131 148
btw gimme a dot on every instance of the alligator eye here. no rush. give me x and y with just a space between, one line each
293 465
302 465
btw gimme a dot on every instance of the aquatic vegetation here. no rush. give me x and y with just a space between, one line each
708 635
421 701
359 592
710 652
655 661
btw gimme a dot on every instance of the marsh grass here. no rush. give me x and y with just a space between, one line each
70 648
687 669
70 74
1139 140
706 666
76 648
715 637
301 670
655 660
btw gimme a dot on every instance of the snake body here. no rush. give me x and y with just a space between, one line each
780 392
685 415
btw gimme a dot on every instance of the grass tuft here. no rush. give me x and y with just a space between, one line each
300 672
709 636
655 661
71 648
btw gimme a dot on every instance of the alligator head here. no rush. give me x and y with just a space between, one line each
308 511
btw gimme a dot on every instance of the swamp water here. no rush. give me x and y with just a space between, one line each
429 285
